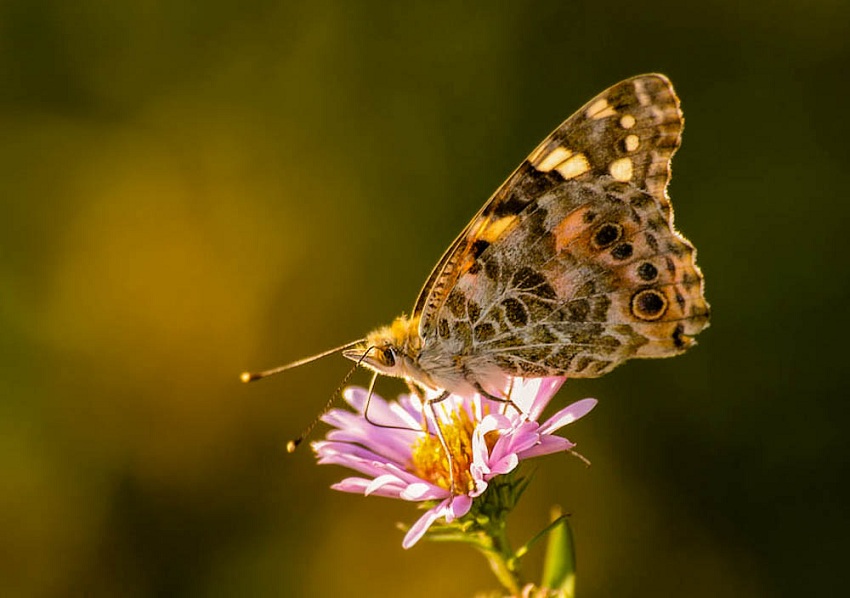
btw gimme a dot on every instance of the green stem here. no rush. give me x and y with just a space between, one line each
496 549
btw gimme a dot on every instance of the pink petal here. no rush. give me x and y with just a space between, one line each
514 440
495 421
379 482
478 469
545 391
359 485
481 455
522 437
505 465
392 445
351 427
383 455
418 529
423 491
361 460
459 506
380 410
568 415
351 456
548 445
356 396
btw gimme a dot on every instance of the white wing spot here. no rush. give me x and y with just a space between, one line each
628 121
643 97
551 160
576 165
632 142
621 169
600 109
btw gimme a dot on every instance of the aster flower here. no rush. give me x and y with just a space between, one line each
487 440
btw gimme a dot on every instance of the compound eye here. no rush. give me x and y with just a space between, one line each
389 356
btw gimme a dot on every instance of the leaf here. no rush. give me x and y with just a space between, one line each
559 566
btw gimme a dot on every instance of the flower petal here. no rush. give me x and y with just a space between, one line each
458 506
385 457
548 444
380 482
568 415
510 441
423 491
393 445
361 460
418 529
505 465
359 485
544 391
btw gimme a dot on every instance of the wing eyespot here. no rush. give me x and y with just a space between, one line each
623 251
647 271
606 235
649 304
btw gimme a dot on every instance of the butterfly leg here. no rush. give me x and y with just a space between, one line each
415 389
369 400
506 400
442 397
419 391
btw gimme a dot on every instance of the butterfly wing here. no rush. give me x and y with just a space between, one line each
573 265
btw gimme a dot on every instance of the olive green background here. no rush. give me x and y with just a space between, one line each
193 189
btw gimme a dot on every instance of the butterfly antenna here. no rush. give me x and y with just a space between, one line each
251 376
293 444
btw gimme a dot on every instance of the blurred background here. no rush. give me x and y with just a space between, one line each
193 189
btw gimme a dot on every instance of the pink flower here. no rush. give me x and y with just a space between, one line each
399 459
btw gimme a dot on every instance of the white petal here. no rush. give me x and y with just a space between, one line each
417 491
379 482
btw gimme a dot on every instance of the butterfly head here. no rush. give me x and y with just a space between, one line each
391 350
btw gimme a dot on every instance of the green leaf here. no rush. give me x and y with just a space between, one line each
559 566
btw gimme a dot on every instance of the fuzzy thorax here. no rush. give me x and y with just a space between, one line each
392 350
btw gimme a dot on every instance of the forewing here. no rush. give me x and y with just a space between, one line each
573 266
589 143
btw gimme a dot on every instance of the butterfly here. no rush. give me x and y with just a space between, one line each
572 267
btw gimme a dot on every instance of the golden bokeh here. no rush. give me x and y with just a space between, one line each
193 190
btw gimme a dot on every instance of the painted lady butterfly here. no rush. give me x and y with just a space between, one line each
571 268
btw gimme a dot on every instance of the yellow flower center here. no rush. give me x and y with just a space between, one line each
430 462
